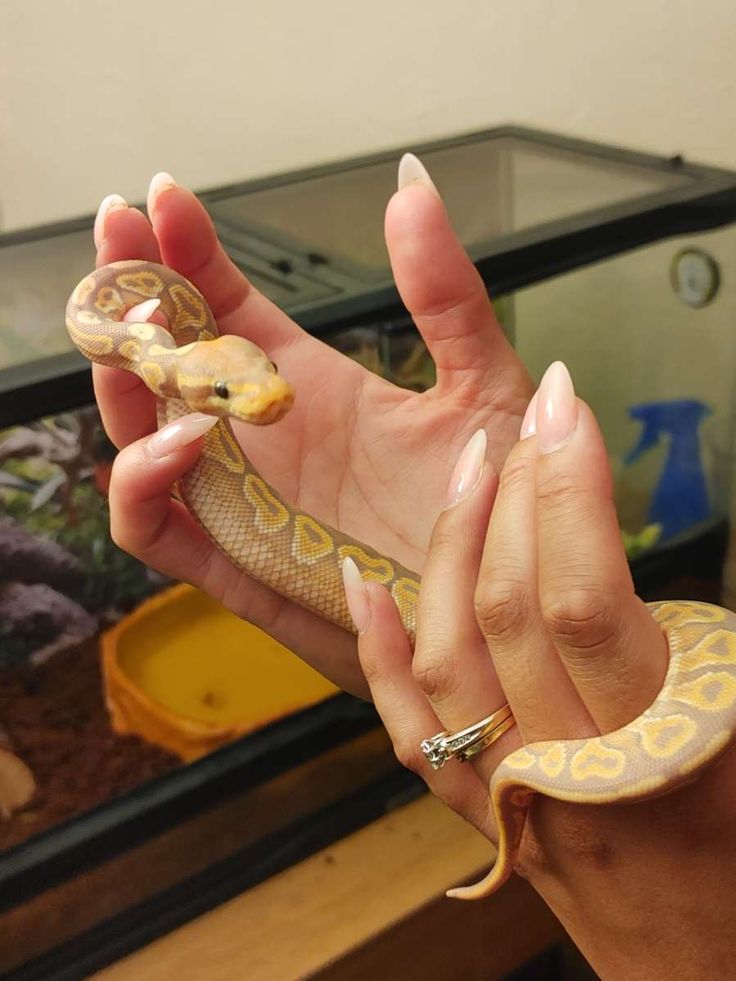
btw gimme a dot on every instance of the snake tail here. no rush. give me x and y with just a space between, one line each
689 725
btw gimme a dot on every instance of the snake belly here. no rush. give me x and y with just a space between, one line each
690 724
288 550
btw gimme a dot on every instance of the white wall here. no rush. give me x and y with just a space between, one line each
97 95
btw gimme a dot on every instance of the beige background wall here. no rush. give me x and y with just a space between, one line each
98 94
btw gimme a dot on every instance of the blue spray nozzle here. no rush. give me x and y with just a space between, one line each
681 497
679 418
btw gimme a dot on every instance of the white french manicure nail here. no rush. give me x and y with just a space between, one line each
179 433
413 171
113 202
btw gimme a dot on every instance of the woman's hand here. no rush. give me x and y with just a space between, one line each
356 451
543 615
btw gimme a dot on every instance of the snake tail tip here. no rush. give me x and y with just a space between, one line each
458 893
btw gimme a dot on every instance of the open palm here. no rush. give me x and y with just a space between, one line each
356 451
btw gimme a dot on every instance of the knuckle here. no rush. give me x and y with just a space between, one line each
557 485
501 607
119 502
435 672
518 471
583 618
135 541
372 669
444 533
120 533
410 756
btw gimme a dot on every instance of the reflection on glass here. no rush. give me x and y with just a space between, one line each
309 241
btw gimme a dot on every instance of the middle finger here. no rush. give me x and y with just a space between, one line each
540 692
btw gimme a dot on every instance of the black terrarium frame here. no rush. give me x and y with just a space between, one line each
506 262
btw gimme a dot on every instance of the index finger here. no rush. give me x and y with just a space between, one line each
188 242
181 235
126 405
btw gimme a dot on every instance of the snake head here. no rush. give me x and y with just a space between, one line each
230 376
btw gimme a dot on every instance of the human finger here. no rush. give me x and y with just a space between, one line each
613 650
543 699
126 406
451 663
146 522
445 294
385 657
122 232
189 243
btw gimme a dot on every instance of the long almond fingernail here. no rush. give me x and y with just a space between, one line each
160 182
113 202
557 408
529 422
356 595
468 469
179 433
413 171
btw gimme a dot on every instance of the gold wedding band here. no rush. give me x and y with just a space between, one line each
468 742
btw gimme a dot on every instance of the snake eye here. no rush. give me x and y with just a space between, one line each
221 390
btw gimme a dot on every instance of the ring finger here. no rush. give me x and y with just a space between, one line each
451 664
385 657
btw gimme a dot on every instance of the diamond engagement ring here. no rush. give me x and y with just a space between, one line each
467 742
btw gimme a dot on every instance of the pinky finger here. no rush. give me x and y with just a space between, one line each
385 657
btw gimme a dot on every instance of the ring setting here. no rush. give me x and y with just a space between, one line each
466 743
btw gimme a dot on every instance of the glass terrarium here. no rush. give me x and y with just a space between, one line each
617 262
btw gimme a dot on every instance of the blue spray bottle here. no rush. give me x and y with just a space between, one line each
681 497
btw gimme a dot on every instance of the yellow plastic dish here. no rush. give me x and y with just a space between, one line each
188 675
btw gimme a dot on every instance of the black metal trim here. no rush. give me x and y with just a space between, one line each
118 825
139 925
507 263
609 152
44 387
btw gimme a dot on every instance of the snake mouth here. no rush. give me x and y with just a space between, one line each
271 405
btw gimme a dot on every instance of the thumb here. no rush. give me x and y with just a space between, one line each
444 292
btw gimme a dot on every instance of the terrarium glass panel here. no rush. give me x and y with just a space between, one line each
658 372
491 188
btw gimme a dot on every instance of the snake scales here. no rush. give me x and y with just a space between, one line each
689 725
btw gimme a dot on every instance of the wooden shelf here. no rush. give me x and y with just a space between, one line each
371 903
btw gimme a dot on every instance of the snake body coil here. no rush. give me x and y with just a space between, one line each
690 724
288 550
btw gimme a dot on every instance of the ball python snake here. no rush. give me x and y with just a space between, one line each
190 368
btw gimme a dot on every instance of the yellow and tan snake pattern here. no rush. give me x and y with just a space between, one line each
190 368
689 725
286 549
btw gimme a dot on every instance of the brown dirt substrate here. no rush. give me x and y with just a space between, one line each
58 725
